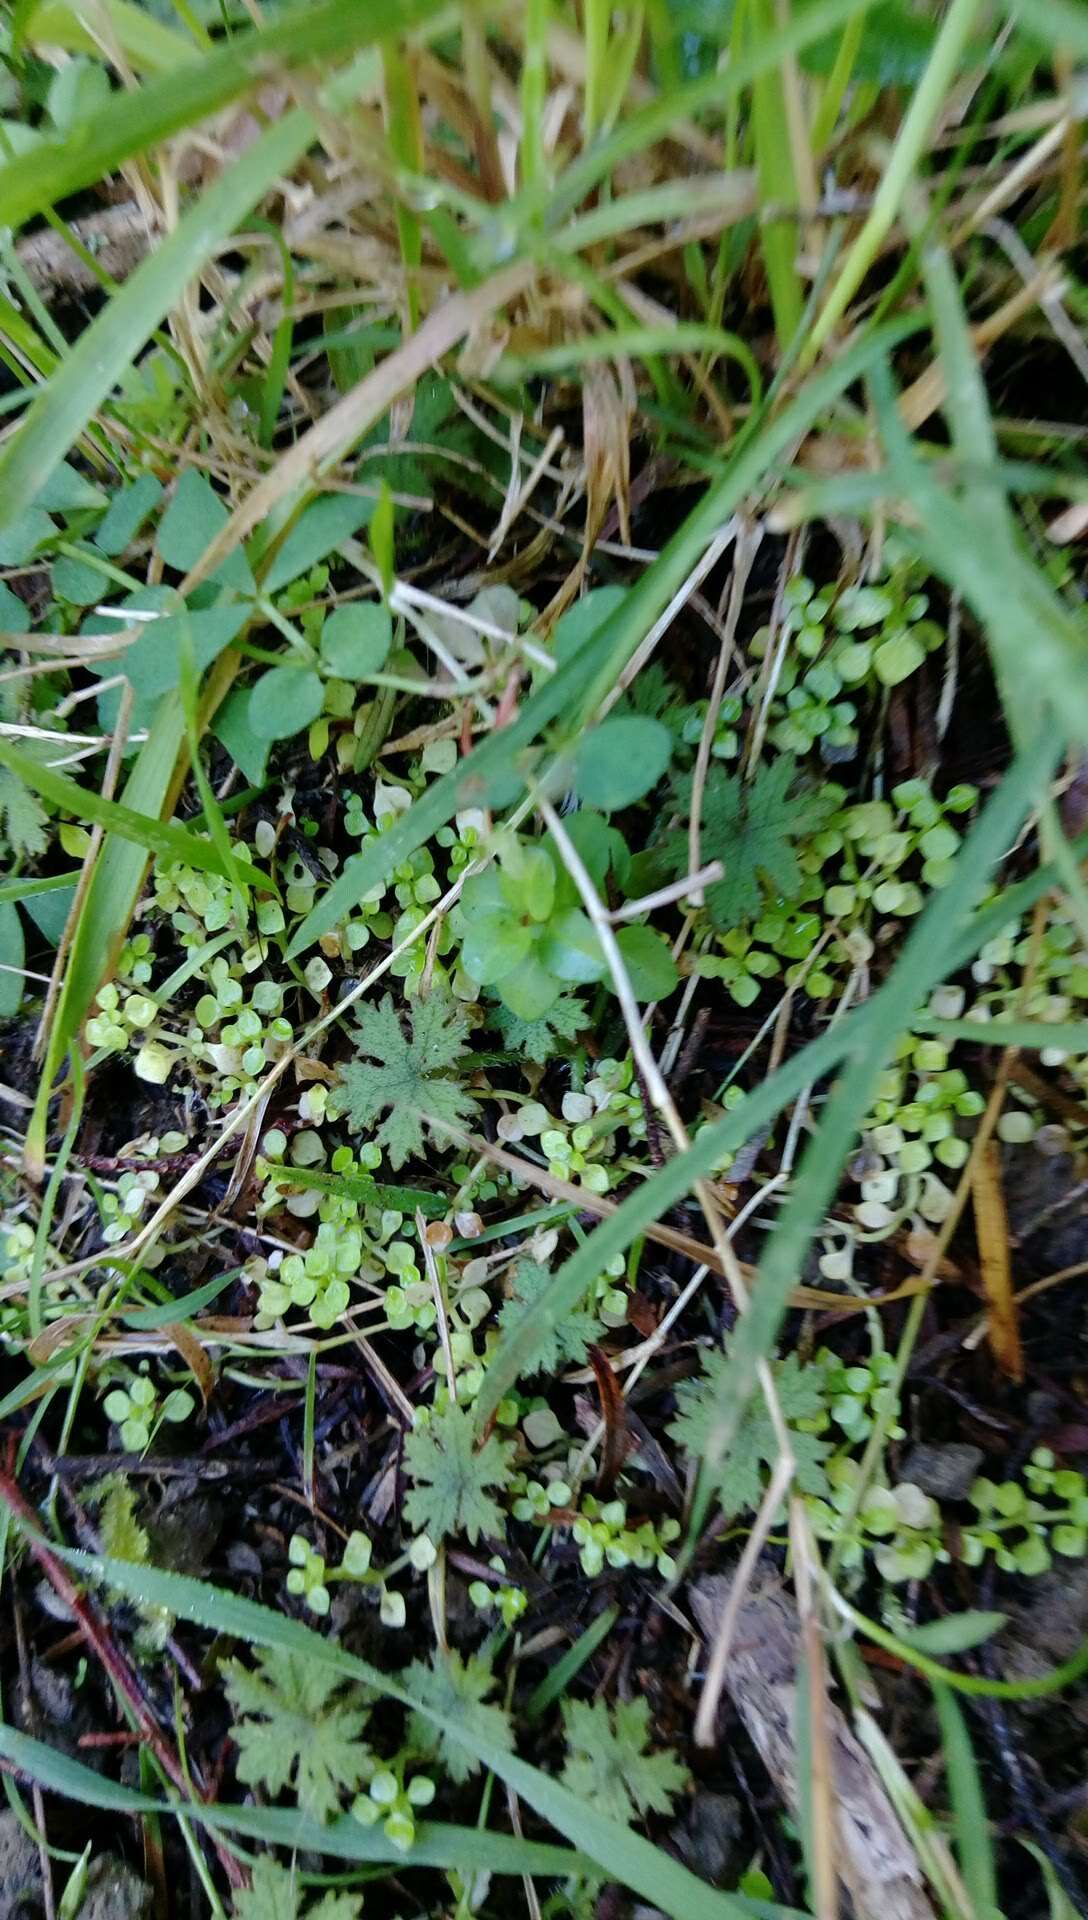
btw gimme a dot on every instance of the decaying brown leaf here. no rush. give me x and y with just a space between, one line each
876 1865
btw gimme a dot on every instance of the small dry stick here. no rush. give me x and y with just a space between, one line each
749 536
826 1842
439 1297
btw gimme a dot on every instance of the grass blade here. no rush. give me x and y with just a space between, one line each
623 1855
467 1849
162 837
94 365
148 45
182 97
895 179
1055 23
973 1844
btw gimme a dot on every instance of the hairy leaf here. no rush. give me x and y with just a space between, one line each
743 1472
457 1689
607 1760
274 1894
22 818
561 1346
454 1477
752 830
540 1040
406 1075
302 1729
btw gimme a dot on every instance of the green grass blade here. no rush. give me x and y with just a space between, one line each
94 365
575 688
1029 1034
534 91
184 96
682 337
1060 1905
148 45
404 132
622 1854
182 1307
554 1684
25 889
972 1827
360 1186
466 1849
774 161
917 124
1054 23
1039 648
110 902
162 837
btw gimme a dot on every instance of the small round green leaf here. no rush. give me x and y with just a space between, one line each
896 659
650 965
620 761
355 640
283 701
584 619
494 945
529 990
572 950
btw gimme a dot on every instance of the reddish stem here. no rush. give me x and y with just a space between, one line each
94 1630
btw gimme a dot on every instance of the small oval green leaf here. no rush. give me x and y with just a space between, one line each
494 945
529 990
283 701
956 1633
650 966
572 950
355 640
620 761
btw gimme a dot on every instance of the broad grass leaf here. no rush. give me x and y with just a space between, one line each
12 956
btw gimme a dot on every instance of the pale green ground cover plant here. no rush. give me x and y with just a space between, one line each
503 476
